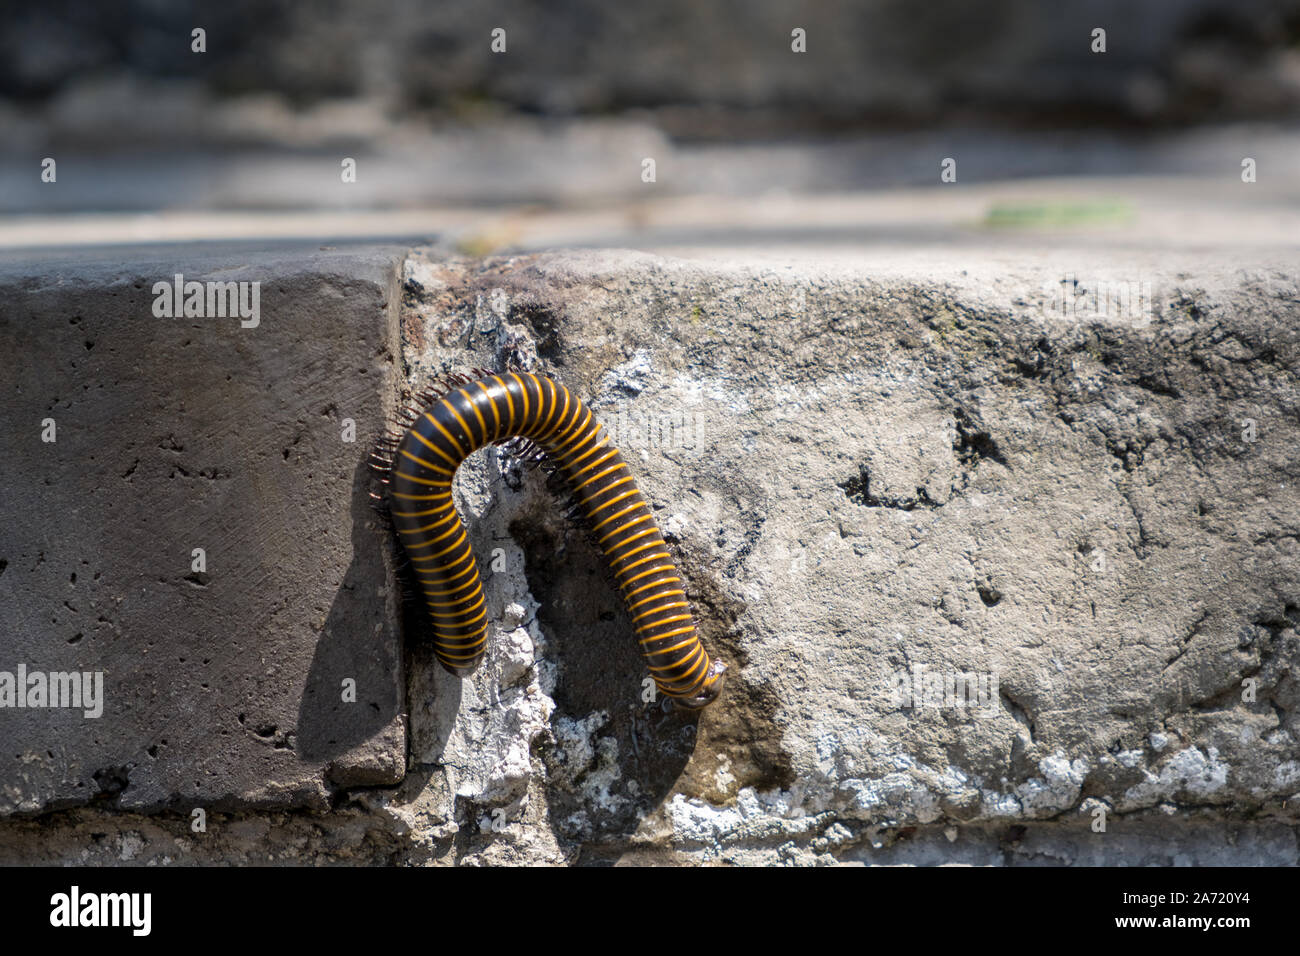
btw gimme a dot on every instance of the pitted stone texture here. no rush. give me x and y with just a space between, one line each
882 473
223 686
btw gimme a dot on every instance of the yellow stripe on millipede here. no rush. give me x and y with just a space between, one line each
426 464
567 462
659 622
445 519
459 657
595 464
661 607
456 620
682 663
599 446
541 400
574 431
438 554
429 527
477 414
458 614
423 481
431 446
704 658
617 514
627 524
608 488
660 637
417 514
457 601
649 557
590 430
456 590
652 583
496 416
629 539
469 435
671 592
696 666
461 642
613 501
440 576
599 475
564 412
448 435
467 560
676 647
510 402
429 542
523 390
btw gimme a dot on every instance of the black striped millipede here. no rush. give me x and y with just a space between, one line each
544 422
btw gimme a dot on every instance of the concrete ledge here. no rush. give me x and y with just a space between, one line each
878 471
221 677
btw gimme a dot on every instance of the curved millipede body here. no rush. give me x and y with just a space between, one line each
473 412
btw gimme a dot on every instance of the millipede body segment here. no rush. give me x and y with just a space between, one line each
476 411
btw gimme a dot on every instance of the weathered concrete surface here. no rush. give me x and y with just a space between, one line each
870 469
913 458
403 831
221 683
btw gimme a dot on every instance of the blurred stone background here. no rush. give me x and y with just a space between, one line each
585 90
885 61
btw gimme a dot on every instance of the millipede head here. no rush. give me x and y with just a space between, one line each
709 690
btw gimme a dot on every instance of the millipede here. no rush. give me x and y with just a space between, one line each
538 420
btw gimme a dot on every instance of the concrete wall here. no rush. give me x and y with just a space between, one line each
870 470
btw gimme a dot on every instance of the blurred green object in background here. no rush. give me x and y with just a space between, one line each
1055 214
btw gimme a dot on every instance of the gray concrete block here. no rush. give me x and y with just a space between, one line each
222 680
